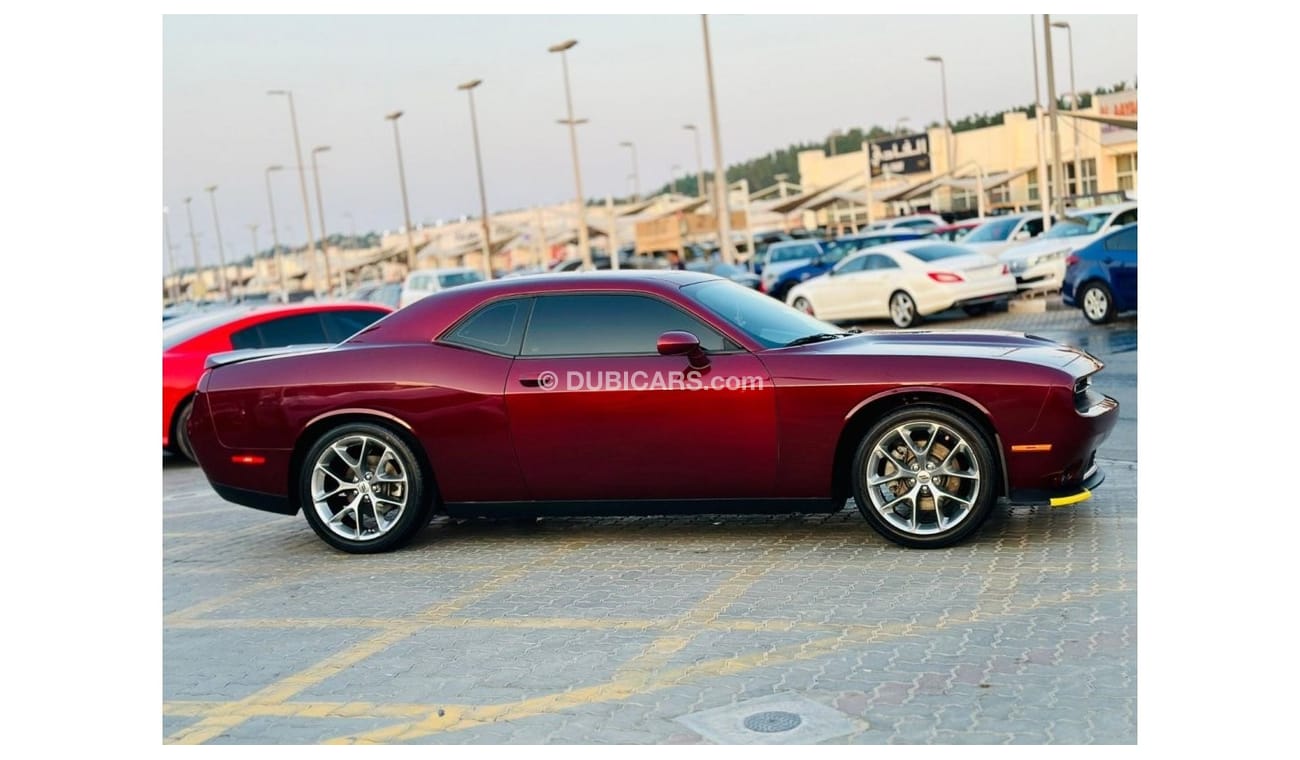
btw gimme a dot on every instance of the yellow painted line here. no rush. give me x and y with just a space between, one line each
1065 501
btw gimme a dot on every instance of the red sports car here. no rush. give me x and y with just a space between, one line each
674 392
188 341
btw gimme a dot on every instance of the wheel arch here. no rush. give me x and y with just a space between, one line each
324 422
867 413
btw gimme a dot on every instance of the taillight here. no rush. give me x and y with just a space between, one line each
1071 260
944 277
1006 269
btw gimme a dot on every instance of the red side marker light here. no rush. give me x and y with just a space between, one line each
248 459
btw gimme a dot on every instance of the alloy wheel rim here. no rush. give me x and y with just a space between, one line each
902 309
359 487
922 477
1094 303
803 305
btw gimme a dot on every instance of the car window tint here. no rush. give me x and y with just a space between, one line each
876 262
1128 217
857 264
1124 240
937 251
497 327
249 337
341 325
294 330
594 325
1034 226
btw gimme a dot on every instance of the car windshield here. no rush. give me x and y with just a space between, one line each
727 270
452 279
936 251
181 330
763 318
992 232
1084 224
792 253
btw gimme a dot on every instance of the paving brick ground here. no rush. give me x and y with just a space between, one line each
611 630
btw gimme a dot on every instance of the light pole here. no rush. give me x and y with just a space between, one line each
302 176
198 288
275 234
584 247
320 210
720 189
636 174
253 229
1074 104
221 253
673 171
898 125
175 286
406 207
352 226
468 87
947 135
1058 197
699 159
1044 201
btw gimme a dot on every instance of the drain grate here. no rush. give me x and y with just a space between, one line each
772 721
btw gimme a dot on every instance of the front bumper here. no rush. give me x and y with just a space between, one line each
1063 496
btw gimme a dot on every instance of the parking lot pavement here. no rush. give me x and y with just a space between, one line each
786 629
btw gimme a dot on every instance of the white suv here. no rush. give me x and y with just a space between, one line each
423 282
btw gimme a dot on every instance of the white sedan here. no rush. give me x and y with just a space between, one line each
905 282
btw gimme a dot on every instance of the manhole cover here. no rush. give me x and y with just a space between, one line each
772 721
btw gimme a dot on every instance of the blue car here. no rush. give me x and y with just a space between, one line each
833 252
1102 277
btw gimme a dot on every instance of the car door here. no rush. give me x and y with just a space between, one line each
596 413
877 284
836 293
1120 260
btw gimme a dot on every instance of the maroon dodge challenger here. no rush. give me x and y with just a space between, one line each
646 393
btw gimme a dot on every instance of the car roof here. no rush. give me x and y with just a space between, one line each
1109 208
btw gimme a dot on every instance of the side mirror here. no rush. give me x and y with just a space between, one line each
1021 235
682 343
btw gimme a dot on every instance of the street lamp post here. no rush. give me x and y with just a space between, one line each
194 243
320 211
175 284
1044 200
898 125
584 246
699 159
720 189
468 87
253 229
1074 104
673 171
275 234
302 176
947 124
1058 197
221 253
636 174
406 207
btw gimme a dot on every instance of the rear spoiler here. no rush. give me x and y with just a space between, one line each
246 354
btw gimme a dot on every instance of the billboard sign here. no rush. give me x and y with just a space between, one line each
909 154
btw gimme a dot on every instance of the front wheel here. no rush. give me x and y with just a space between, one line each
362 489
1098 303
902 310
802 304
924 477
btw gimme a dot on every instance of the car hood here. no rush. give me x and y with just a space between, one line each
1045 245
962 344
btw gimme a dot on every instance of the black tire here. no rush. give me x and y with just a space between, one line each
902 310
977 309
973 458
1097 302
804 305
418 490
180 434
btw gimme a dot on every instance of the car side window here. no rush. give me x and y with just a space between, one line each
1124 240
1128 217
286 331
876 262
853 265
608 324
1035 227
341 325
496 328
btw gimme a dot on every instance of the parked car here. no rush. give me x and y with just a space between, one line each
905 282
835 251
694 394
1101 278
736 274
188 343
924 222
999 233
423 282
955 232
784 256
1039 265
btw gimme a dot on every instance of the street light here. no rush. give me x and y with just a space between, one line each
673 171
320 210
175 284
947 135
275 233
636 175
898 125
699 160
720 190
302 175
406 207
584 247
1074 103
468 87
253 229
221 254
1058 197
194 243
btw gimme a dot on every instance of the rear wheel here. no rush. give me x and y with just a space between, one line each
181 435
1098 303
902 310
924 477
362 489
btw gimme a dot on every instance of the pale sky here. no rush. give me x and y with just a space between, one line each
780 79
